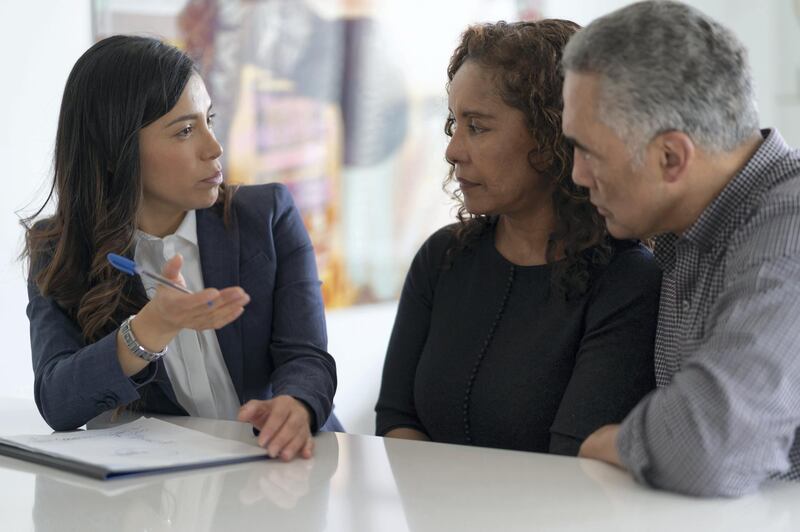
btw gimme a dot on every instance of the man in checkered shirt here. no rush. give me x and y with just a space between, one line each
659 104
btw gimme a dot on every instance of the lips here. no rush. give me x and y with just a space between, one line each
466 184
215 179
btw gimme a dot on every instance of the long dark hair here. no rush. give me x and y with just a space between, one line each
116 88
525 56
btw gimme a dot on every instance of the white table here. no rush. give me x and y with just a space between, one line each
364 483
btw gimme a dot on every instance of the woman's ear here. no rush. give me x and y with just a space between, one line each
677 152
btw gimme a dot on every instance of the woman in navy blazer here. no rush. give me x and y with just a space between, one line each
135 152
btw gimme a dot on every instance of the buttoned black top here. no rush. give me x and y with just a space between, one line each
544 375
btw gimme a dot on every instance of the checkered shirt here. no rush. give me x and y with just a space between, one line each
726 413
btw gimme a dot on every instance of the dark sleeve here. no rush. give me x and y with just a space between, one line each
614 364
395 407
303 367
74 382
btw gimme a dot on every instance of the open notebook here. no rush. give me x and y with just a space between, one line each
146 445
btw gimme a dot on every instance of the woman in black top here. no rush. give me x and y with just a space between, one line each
522 326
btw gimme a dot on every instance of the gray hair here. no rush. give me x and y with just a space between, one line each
665 66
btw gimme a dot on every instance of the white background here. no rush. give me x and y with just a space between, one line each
40 41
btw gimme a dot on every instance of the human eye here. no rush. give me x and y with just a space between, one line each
186 131
210 120
475 128
579 151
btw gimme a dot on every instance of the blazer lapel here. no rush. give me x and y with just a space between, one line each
219 262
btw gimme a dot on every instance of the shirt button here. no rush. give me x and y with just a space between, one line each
686 305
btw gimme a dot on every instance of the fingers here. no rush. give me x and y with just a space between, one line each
207 309
225 307
172 268
295 446
308 449
284 425
177 301
255 412
233 297
271 429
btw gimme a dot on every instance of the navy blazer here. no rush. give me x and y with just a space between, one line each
276 347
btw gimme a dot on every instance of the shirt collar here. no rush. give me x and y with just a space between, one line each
664 250
187 230
716 221
740 194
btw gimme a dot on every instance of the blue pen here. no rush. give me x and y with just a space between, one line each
131 268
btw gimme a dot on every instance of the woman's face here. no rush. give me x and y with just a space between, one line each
489 148
179 154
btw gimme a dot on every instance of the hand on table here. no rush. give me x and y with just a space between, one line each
602 445
285 425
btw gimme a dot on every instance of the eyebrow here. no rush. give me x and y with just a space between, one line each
468 113
578 145
183 118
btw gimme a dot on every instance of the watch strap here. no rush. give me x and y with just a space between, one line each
134 346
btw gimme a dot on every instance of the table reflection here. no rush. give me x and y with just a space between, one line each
506 489
267 492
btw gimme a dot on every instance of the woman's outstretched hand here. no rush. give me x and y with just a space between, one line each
207 309
170 310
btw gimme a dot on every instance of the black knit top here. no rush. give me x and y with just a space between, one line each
488 353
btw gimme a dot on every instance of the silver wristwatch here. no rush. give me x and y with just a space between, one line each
134 346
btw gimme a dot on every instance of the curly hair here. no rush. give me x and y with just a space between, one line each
525 58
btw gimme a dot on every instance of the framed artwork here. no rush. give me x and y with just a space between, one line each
344 101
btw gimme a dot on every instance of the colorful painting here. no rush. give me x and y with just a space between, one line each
342 100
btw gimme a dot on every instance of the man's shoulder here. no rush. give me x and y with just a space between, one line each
772 229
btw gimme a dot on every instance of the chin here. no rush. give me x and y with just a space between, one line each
208 199
621 233
477 210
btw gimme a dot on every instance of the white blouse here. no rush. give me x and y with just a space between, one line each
194 361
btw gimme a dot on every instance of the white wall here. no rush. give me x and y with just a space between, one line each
39 42
770 31
35 68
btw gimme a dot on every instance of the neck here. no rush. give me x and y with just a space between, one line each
159 223
713 173
523 239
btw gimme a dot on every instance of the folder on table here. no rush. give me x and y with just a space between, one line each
146 445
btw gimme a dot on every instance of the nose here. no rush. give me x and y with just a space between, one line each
212 147
581 174
456 151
